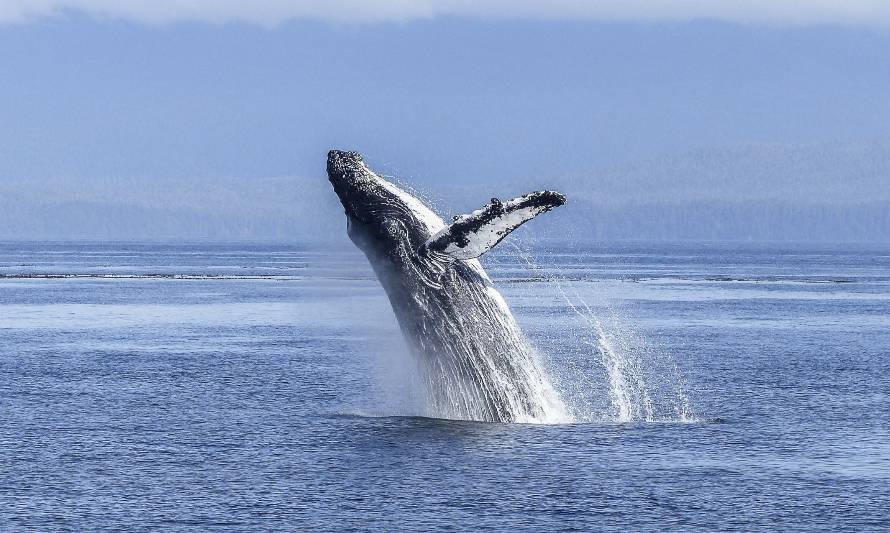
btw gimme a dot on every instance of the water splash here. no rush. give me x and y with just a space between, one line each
614 373
606 371
470 362
644 382
488 372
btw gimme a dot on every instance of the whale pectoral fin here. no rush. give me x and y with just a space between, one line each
474 234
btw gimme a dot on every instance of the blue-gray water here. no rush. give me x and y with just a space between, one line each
263 388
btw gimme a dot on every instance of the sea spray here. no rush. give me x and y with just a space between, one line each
611 372
472 381
606 371
483 368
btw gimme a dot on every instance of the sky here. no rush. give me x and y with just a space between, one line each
100 98
274 12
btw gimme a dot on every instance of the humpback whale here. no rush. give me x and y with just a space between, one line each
474 360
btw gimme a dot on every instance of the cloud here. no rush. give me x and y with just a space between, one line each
274 12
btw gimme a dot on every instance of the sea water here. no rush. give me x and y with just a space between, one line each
266 387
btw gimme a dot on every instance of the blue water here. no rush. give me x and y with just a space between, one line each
254 388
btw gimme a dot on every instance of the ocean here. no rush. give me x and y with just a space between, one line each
266 387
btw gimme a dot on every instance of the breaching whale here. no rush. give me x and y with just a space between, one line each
474 360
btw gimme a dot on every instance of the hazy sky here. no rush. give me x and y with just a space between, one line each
151 89
669 119
272 12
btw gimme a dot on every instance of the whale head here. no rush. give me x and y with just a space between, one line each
381 217
384 218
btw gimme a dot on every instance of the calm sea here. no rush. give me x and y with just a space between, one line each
238 387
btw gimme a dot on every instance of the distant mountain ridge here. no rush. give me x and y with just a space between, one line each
830 192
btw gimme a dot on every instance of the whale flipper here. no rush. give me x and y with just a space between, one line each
471 235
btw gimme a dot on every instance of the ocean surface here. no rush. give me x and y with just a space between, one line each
240 387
